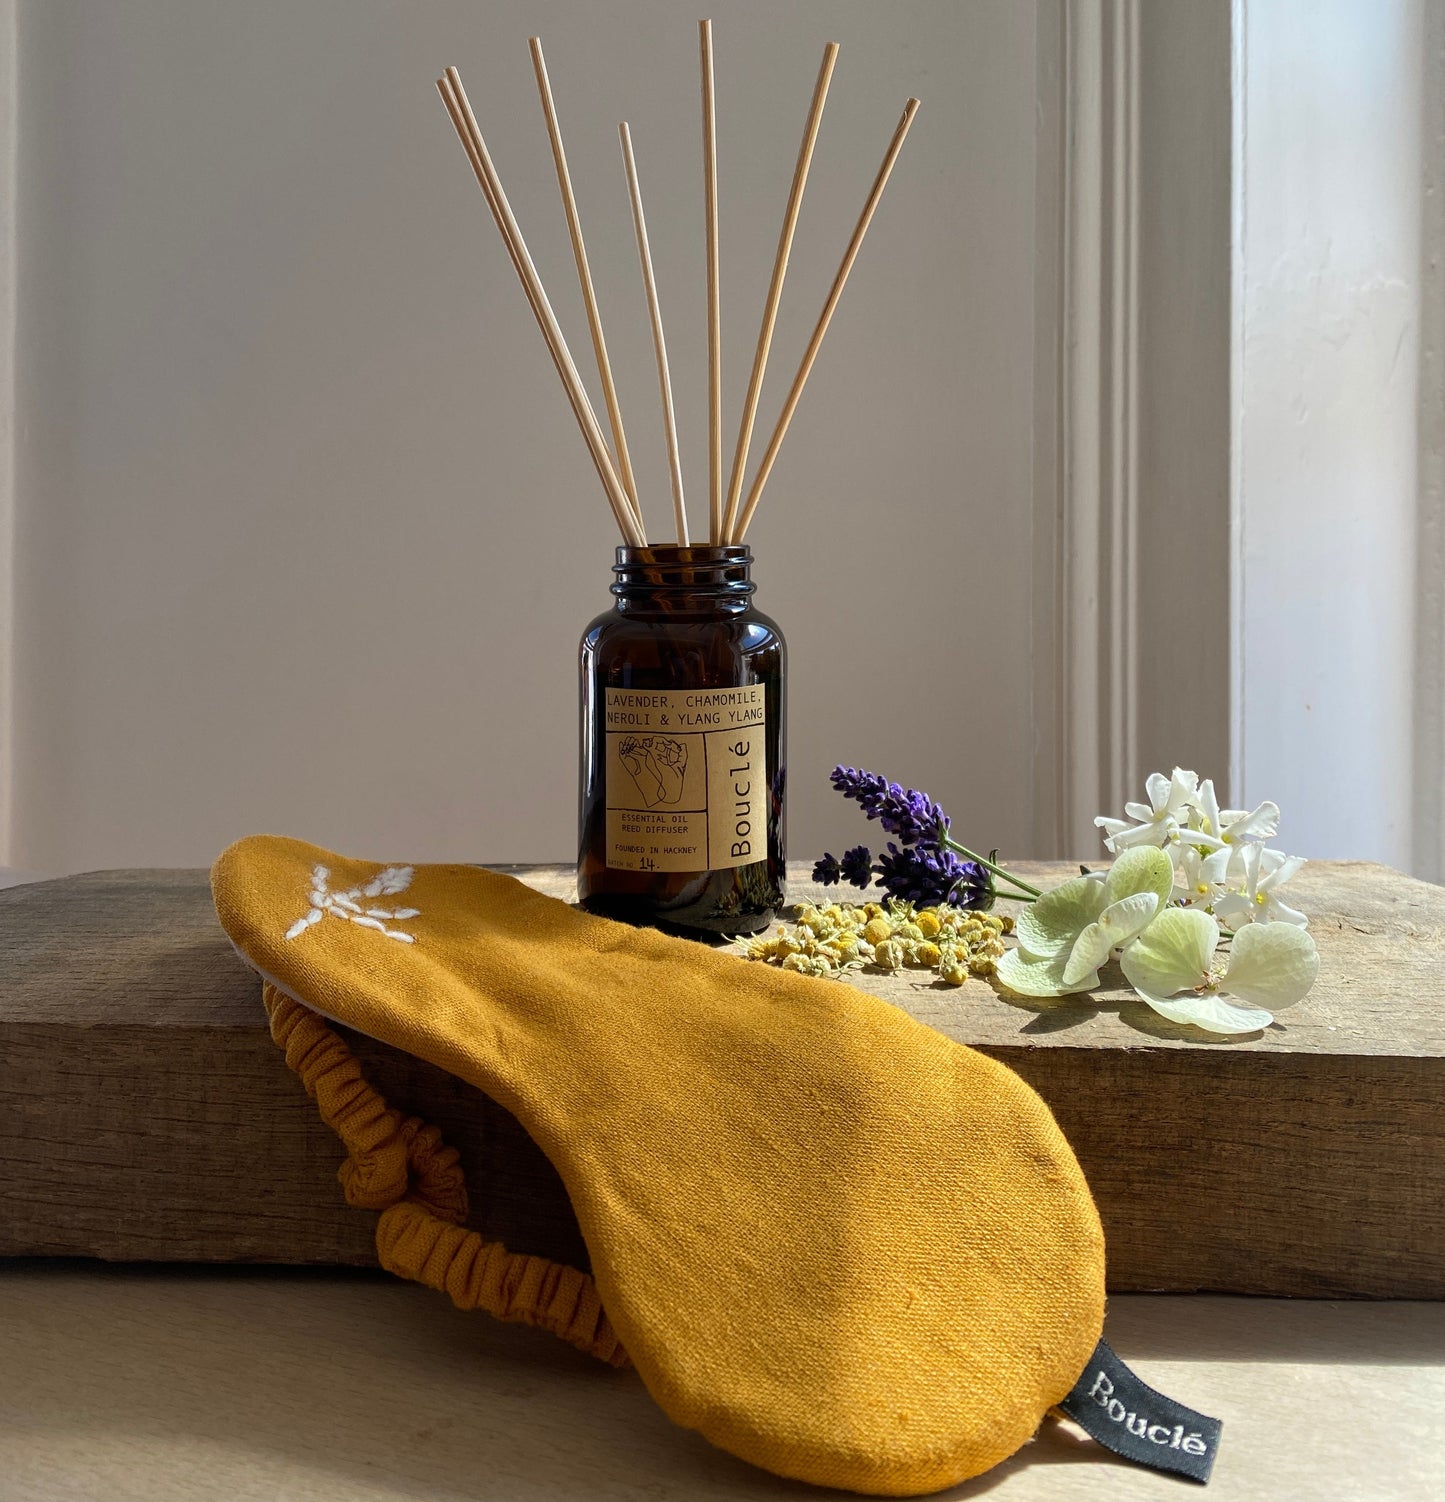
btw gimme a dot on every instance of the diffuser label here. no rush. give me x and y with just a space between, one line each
687 778
1142 1425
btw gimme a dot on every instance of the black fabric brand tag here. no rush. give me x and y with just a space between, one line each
1142 1425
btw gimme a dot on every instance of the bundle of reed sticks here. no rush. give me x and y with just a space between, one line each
730 511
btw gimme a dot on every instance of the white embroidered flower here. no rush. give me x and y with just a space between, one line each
1269 965
1158 821
347 906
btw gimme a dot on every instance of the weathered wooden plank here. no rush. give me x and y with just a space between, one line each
145 1114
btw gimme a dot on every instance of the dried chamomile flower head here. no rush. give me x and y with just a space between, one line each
877 930
831 939
809 964
889 955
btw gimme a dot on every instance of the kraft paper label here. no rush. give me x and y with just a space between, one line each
686 778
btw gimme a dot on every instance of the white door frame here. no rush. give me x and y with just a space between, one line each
1429 771
1132 399
9 246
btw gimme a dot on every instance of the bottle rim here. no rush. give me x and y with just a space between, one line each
677 555
677 577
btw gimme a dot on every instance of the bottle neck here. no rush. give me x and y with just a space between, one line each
674 580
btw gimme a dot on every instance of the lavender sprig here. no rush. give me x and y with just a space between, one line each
930 877
922 874
856 867
929 857
913 816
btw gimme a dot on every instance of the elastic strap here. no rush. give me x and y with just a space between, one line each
400 1166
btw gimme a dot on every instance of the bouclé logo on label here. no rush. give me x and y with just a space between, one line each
742 806
1132 1419
1102 1392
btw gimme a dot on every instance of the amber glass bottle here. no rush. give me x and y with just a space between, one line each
683 748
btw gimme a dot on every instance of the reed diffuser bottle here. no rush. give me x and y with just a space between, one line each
683 745
683 679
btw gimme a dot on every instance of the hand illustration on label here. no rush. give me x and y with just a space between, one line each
657 765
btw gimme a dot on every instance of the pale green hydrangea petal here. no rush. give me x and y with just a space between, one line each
1273 964
1116 926
1144 868
1211 1011
1048 927
1090 951
1172 954
1039 977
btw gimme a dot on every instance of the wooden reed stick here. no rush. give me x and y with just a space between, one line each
811 353
775 290
659 344
476 147
584 275
454 110
714 311
459 124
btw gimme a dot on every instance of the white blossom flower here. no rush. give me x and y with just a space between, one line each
1270 965
1210 848
1251 894
1203 875
1256 826
1204 823
1158 821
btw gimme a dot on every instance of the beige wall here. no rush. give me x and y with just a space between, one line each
305 534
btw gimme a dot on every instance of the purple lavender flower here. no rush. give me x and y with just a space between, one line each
927 876
857 866
913 816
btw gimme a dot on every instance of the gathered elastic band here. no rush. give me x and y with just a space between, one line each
400 1166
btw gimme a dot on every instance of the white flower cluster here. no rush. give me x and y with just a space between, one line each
1221 861
1184 868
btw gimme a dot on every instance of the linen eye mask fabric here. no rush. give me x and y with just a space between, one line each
835 1242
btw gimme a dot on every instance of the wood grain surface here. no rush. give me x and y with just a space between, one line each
145 1114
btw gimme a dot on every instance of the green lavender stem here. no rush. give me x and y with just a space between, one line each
988 865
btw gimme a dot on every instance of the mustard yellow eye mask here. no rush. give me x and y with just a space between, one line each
838 1244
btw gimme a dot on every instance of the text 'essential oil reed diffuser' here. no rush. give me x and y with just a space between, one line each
684 679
